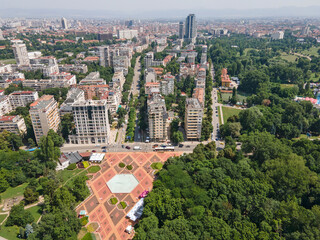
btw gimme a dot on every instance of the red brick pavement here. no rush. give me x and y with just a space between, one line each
110 218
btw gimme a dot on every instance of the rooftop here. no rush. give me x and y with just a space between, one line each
122 183
42 102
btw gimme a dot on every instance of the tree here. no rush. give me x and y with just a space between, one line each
251 79
30 195
67 125
177 137
79 188
18 216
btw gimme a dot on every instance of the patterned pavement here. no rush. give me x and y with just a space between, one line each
111 219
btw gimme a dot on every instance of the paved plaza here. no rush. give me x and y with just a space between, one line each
111 218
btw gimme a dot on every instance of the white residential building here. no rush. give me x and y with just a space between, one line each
193 119
22 98
44 116
5 106
167 85
127 34
20 54
157 117
13 124
91 121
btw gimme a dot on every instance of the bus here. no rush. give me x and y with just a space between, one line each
164 149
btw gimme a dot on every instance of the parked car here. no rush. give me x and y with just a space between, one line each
147 141
128 147
155 145
93 151
180 145
188 146
104 147
136 148
104 150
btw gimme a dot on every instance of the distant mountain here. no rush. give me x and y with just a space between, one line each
311 11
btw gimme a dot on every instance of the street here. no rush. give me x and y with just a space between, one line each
145 147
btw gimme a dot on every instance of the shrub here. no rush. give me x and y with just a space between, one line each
122 165
90 228
157 165
94 169
122 205
84 221
88 236
129 167
85 164
72 166
114 201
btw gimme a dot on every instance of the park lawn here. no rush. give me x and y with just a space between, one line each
8 61
67 174
36 212
289 58
228 112
287 85
241 96
94 169
13 192
311 51
83 173
9 233
304 136
2 217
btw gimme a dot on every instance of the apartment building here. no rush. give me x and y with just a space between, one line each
92 79
5 106
22 98
199 93
193 119
13 124
157 118
73 95
91 121
78 68
21 54
93 91
44 116
118 79
150 75
167 85
113 99
127 34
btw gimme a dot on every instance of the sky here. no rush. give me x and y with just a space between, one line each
144 5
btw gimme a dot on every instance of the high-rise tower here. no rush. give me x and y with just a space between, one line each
191 28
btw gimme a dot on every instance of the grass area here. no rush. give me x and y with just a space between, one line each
219 111
36 212
114 201
311 51
122 205
315 77
13 192
287 85
304 136
88 236
228 112
93 169
83 173
288 57
157 165
2 217
8 61
116 137
10 233
241 96
67 174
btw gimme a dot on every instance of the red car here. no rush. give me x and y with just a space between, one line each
127 147
93 151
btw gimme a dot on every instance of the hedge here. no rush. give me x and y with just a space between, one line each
114 201
129 167
84 221
122 165
72 166
123 205
85 164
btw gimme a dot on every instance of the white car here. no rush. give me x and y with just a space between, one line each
136 148
147 141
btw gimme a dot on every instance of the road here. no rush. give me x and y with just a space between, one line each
215 118
145 147
135 89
